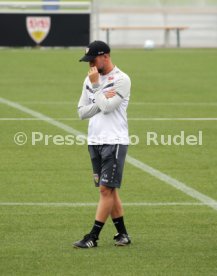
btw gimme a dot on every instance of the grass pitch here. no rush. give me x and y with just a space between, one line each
167 239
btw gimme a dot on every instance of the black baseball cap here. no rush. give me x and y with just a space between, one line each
94 49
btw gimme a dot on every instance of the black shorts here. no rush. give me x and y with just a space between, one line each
108 164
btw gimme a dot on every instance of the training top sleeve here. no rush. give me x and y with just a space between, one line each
86 109
122 89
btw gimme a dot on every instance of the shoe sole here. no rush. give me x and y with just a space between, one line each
78 247
122 244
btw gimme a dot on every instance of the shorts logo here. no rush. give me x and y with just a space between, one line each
38 27
105 178
96 178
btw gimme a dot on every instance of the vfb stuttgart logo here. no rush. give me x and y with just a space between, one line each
38 27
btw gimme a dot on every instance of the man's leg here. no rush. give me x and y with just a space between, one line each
117 210
106 202
111 158
117 214
104 209
105 205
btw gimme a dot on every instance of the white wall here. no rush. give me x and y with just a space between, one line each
202 22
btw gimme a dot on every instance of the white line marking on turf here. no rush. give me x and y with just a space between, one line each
173 182
93 204
41 116
132 103
37 119
172 119
130 119
49 204
175 103
136 163
48 102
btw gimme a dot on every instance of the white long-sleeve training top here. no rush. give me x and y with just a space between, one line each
107 117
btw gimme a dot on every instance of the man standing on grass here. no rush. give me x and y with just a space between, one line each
104 101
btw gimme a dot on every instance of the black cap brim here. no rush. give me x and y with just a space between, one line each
87 58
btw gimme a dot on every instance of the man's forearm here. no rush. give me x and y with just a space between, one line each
88 111
107 105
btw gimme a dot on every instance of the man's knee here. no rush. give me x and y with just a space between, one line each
106 191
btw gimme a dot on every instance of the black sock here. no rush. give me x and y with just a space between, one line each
97 227
119 224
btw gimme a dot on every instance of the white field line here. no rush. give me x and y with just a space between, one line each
175 103
38 119
172 119
93 204
173 182
131 103
48 102
136 163
129 119
41 116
